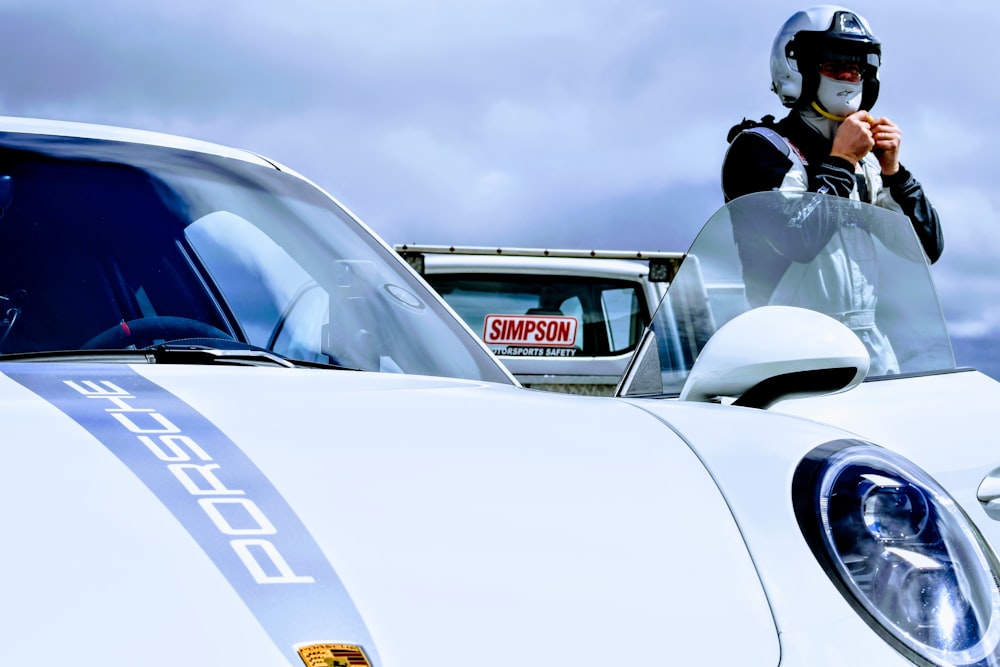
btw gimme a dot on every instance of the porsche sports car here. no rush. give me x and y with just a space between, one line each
238 429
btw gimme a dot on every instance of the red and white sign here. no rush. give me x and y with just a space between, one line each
534 330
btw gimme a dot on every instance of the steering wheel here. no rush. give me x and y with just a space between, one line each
148 331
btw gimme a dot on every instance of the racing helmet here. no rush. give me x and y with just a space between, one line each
815 35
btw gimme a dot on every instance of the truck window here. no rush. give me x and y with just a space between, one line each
609 315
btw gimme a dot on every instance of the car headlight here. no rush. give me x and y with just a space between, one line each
902 552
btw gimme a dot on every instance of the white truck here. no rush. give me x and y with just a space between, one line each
561 320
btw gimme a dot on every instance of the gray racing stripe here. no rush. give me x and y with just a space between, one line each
217 493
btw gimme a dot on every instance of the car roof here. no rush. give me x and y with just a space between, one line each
110 133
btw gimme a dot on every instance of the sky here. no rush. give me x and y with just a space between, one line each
553 123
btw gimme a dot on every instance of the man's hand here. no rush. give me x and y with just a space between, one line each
854 138
887 137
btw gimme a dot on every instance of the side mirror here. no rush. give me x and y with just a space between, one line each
773 353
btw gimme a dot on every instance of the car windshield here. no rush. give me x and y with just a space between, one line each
125 245
858 263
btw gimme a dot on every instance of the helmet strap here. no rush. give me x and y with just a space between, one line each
826 114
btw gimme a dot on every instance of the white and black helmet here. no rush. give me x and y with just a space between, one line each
817 34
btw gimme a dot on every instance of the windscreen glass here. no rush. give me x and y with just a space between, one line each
121 245
858 263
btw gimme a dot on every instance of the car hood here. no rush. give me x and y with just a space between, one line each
245 511
942 422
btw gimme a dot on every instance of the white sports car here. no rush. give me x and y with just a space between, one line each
240 430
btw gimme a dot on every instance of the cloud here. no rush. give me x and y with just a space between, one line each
966 275
550 122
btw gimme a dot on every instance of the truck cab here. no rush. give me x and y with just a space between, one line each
559 320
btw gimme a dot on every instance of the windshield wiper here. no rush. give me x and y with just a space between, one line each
166 353
80 356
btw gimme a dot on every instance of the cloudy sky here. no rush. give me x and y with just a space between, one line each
560 123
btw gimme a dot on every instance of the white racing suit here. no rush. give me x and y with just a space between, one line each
842 281
819 261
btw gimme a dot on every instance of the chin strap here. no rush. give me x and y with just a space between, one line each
826 114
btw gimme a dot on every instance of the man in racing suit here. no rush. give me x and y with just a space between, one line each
824 66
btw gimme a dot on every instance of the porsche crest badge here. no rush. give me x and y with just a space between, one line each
333 655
